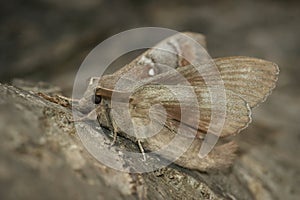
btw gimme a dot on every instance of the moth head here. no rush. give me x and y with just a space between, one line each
96 99
92 84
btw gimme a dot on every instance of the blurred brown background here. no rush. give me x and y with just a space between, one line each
46 40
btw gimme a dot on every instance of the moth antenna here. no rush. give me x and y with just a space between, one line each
68 99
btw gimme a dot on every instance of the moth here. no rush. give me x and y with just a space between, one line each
247 82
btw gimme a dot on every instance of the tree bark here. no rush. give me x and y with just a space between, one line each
42 157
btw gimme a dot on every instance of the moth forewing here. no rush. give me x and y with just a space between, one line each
166 53
237 109
147 96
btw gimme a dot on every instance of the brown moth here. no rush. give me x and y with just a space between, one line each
247 81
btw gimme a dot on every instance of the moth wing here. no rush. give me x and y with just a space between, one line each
173 52
237 110
251 78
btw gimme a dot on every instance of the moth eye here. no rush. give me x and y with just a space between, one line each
151 72
96 99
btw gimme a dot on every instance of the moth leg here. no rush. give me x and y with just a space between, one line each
141 149
112 124
139 134
115 132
